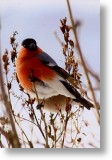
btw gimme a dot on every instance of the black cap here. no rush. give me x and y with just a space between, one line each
30 44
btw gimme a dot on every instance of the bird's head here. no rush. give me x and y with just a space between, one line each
30 44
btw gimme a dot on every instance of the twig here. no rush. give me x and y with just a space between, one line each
16 143
43 117
65 128
54 129
82 60
58 39
26 120
29 142
36 117
91 72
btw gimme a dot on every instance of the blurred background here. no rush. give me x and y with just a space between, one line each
39 20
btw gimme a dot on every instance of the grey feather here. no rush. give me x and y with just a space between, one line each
46 59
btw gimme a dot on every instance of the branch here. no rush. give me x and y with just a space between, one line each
7 103
82 60
91 72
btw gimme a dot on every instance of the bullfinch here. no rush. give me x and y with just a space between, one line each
49 79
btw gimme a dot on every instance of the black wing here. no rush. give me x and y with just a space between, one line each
48 61
79 98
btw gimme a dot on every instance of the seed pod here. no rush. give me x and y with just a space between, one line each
67 28
71 43
12 39
62 29
4 58
13 56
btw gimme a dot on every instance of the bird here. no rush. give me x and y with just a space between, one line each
34 66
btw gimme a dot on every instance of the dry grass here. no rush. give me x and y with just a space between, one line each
52 130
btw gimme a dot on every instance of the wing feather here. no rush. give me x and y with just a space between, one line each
46 59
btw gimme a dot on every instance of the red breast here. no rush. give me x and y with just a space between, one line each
26 62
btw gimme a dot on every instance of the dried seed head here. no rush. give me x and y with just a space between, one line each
79 140
12 40
4 58
71 54
68 105
13 56
65 20
67 28
62 29
71 43
3 120
66 36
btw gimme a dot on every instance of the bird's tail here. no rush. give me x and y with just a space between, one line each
84 102
78 98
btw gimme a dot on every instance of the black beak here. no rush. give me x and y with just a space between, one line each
32 47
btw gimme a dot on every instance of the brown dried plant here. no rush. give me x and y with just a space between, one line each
53 130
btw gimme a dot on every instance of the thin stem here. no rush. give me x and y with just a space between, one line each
29 142
7 103
54 129
37 119
43 117
82 60
91 72
26 120
65 127
38 124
